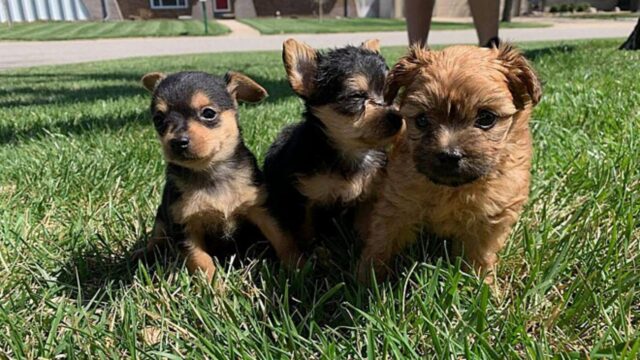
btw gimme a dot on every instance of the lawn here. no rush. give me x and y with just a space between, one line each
113 29
81 174
332 25
625 15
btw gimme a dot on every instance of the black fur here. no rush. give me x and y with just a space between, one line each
177 90
305 149
338 65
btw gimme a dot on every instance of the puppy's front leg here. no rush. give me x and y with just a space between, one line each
281 241
390 230
196 256
481 247
159 238
362 218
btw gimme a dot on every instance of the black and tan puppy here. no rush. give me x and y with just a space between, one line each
213 184
332 158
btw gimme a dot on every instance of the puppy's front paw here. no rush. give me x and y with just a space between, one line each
138 255
294 261
367 270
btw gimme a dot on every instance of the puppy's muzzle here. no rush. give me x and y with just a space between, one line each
180 144
449 159
393 123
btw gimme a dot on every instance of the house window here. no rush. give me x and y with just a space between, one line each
169 4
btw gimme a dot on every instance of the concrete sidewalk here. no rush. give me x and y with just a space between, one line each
24 54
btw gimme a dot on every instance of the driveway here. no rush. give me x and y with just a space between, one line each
24 54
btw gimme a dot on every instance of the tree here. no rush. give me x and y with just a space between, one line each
506 12
633 42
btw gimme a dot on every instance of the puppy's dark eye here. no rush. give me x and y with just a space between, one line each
422 121
160 122
360 95
158 119
208 114
486 120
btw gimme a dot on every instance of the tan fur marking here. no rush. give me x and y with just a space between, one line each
203 139
372 44
196 256
218 205
283 243
358 82
300 64
355 134
157 240
151 80
200 100
217 209
162 106
209 145
243 88
332 188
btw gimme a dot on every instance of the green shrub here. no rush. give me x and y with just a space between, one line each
582 7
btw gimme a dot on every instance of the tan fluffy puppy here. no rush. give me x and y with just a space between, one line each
462 168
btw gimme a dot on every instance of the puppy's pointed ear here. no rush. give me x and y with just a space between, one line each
403 73
243 88
151 80
523 81
301 63
371 45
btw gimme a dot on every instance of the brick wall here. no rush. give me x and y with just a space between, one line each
130 8
291 7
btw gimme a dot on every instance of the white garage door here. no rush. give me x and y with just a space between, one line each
34 10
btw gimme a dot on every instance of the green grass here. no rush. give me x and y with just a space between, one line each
80 177
602 15
331 25
60 30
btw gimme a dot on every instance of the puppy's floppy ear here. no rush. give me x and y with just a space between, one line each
523 81
371 45
243 88
301 63
403 73
151 80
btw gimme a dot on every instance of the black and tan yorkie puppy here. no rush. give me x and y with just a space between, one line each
332 158
213 184
462 168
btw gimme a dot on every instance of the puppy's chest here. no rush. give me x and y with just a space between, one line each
448 211
213 206
329 188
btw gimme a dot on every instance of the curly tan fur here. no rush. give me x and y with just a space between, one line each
451 86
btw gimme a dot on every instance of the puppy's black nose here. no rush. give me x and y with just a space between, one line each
449 157
180 143
394 119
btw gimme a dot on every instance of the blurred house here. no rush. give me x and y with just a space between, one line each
358 8
77 10
392 8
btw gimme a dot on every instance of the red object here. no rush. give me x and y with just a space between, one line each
222 5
